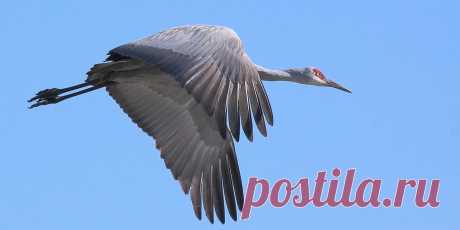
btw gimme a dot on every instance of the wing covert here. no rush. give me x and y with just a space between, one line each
210 62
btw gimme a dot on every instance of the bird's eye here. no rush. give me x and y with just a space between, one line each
318 74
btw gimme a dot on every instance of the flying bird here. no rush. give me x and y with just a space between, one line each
192 88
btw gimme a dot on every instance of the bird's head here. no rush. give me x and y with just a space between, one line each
313 76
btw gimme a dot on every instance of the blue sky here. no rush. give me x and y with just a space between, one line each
83 165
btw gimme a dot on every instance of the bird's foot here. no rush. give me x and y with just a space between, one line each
45 97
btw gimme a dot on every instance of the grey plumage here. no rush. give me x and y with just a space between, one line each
187 138
191 88
210 63
206 60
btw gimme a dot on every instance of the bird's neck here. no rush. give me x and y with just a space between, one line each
267 74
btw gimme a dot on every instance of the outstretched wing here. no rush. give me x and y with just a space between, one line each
210 62
188 138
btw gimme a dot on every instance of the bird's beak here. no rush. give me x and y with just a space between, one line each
337 86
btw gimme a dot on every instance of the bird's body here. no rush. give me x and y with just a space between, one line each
191 88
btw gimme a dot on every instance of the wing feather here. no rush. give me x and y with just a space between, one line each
195 195
207 194
188 139
228 188
232 109
200 58
218 198
256 110
243 106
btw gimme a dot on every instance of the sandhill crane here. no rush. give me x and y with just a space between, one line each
190 88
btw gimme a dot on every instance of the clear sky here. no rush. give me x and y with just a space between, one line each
83 165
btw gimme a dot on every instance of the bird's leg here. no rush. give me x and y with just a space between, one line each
54 92
52 96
